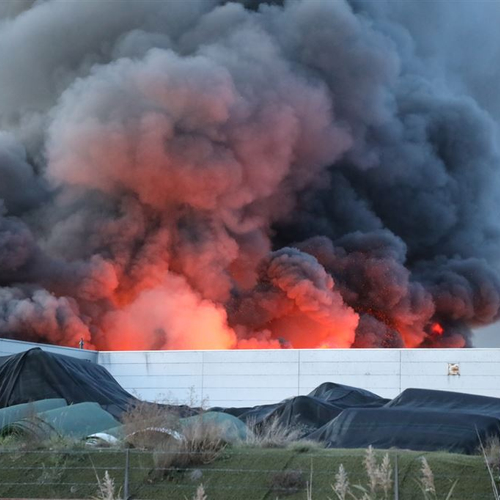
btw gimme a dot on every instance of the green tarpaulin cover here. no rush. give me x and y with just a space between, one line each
74 421
231 428
26 410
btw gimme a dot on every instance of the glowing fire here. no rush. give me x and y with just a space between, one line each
437 329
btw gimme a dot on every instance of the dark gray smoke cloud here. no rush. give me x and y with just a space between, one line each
213 174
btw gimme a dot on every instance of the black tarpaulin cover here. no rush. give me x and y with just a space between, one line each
345 396
446 401
413 429
339 415
308 413
35 374
302 412
417 419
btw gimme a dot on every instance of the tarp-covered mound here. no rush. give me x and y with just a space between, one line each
418 419
308 413
425 399
229 428
35 375
75 421
303 413
345 396
36 386
27 410
412 429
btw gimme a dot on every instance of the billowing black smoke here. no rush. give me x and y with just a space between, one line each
214 174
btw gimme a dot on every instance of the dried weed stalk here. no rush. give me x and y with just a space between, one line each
273 434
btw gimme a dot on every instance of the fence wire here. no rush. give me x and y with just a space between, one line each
140 475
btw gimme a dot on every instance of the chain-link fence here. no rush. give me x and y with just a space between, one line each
237 474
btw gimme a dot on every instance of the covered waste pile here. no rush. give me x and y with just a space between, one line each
308 413
74 421
44 395
36 375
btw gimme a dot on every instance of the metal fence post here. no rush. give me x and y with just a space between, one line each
125 476
396 478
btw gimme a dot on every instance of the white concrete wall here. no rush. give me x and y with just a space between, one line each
8 347
247 377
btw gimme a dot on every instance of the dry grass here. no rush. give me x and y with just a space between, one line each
490 452
106 489
158 428
272 435
426 480
341 487
426 483
202 442
200 493
385 476
380 481
287 482
309 485
147 425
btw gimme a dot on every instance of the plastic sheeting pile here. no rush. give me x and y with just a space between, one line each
44 394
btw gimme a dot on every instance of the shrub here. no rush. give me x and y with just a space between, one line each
201 443
147 425
287 482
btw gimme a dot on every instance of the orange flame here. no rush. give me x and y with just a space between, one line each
437 329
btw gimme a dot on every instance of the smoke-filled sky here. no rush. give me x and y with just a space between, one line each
207 174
